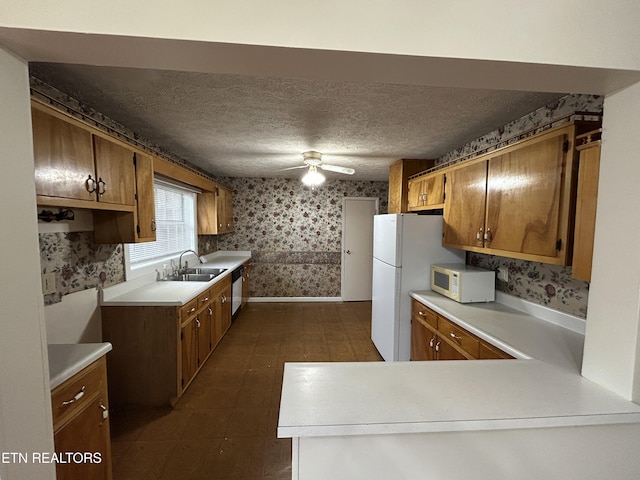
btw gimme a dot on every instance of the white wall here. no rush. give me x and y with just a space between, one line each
25 398
496 29
613 318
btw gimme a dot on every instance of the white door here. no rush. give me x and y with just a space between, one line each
357 247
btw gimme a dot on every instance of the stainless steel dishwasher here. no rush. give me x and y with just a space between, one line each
236 291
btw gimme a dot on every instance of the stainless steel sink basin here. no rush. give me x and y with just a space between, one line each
206 270
202 274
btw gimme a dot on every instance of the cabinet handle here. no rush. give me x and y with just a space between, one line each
455 337
102 187
422 314
153 225
223 298
210 311
479 235
198 322
205 299
78 396
488 236
105 412
438 347
90 184
192 310
431 342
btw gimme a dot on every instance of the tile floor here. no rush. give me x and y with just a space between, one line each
224 426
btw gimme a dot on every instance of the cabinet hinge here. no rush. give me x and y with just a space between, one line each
559 244
135 160
565 146
138 229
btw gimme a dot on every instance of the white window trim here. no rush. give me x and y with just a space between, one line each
153 266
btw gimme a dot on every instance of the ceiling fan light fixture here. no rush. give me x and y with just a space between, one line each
313 178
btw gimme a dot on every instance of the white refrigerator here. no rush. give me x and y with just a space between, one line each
404 247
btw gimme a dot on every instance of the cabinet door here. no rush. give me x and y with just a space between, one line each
87 432
228 211
115 171
204 334
422 340
246 289
189 340
414 195
226 308
63 156
524 190
587 196
207 213
464 211
145 198
433 187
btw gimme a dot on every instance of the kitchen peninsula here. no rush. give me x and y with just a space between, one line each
521 418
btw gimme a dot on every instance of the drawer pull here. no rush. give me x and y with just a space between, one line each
192 310
422 314
205 299
455 337
78 396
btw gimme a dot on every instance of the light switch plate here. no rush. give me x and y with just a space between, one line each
48 283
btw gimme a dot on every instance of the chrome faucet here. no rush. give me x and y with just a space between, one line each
186 264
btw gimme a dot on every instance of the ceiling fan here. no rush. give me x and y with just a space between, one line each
313 160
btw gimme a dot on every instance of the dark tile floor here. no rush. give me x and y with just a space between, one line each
224 426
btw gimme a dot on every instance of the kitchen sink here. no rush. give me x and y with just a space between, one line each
206 270
197 275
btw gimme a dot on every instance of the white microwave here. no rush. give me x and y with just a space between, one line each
463 283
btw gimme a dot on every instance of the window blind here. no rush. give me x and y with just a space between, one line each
175 225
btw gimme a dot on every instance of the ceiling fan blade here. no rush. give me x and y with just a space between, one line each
294 168
335 168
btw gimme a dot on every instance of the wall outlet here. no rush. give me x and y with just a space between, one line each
503 274
48 283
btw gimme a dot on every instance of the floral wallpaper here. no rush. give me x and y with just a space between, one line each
294 233
548 285
78 263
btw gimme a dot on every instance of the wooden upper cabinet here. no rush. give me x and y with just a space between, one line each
524 190
399 173
215 211
145 197
587 196
517 201
466 205
116 172
426 192
63 155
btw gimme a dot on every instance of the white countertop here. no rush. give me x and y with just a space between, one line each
541 388
513 331
165 293
65 360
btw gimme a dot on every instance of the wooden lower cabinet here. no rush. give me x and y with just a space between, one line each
80 410
158 350
434 337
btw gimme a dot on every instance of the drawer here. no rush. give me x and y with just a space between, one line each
74 394
459 336
189 310
426 314
204 298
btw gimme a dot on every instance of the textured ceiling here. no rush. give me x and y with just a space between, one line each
242 126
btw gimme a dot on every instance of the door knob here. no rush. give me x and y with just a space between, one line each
348 252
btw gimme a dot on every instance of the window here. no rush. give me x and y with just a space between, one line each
175 227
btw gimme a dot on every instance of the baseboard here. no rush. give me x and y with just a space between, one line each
293 299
